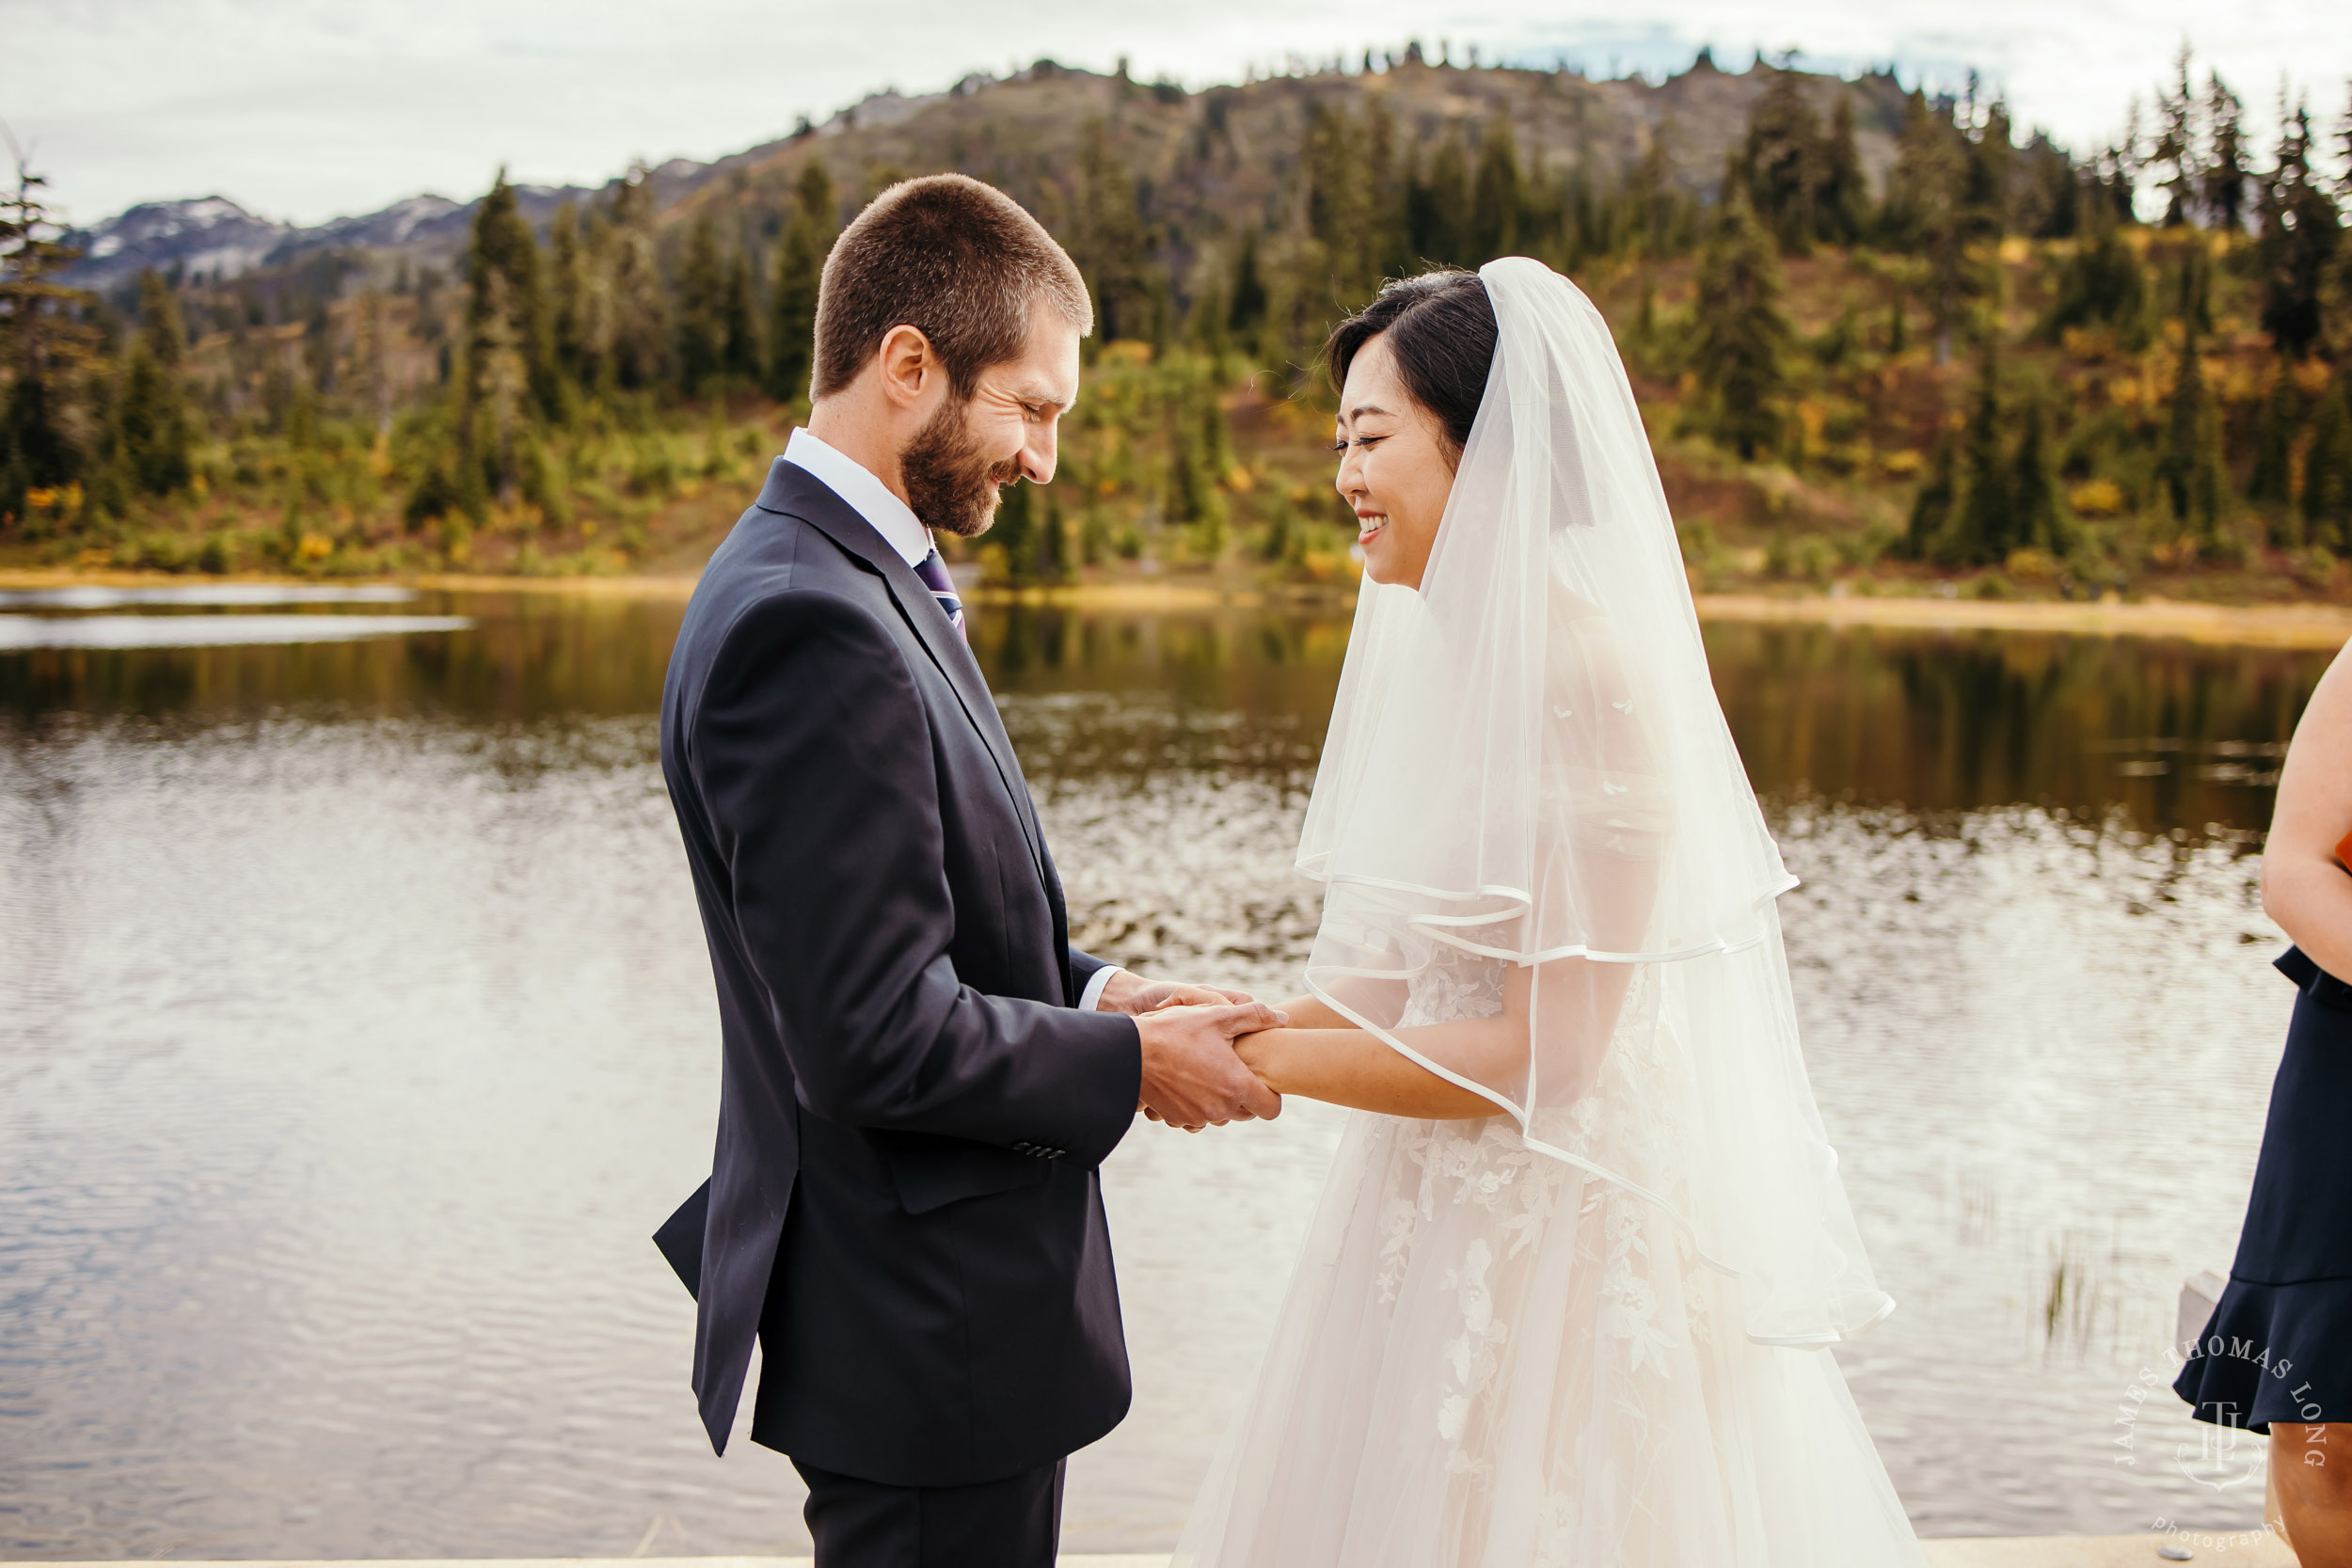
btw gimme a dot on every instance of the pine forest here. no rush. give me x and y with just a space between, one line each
1884 342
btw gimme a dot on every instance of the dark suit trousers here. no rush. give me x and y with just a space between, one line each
1014 1523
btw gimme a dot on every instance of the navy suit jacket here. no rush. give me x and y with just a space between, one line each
903 1206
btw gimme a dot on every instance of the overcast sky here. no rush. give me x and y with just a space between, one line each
308 109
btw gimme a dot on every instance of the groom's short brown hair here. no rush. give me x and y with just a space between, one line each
958 261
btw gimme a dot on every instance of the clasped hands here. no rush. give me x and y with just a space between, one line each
1191 1077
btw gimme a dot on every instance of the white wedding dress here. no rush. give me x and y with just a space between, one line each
1588 1330
1492 1359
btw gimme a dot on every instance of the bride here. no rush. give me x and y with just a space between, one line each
1567 1297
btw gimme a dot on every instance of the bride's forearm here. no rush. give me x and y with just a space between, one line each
1311 1012
1354 1067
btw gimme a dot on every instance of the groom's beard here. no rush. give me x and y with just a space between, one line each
950 482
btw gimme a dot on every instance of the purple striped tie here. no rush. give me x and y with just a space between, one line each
933 572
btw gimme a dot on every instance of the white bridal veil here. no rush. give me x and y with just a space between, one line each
1527 764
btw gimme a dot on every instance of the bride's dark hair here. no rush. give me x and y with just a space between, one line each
1440 326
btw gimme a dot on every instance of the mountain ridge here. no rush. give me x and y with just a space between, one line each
1007 128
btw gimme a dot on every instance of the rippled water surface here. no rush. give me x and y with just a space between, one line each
355 1028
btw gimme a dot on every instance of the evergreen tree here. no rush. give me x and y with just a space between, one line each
1205 316
1338 205
1840 194
2327 470
1438 208
2271 481
1581 220
572 286
1246 308
2192 289
639 306
1781 165
2099 284
47 347
1112 250
2174 154
702 310
1389 250
1498 199
2116 176
1991 159
154 434
2189 468
2223 181
742 360
1654 214
510 377
799 266
503 275
1199 451
2037 519
1051 554
161 332
1982 528
1929 210
1012 529
1740 336
2299 229
372 358
2344 148
1932 508
2048 202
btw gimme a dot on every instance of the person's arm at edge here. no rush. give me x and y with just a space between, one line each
2305 888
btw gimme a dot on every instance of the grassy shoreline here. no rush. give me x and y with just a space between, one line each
2272 626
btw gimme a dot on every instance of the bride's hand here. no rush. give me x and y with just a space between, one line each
1260 1052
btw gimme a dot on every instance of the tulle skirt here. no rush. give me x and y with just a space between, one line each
1490 1360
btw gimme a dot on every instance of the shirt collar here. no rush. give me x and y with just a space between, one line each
869 497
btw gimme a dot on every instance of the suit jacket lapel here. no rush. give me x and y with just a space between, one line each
793 490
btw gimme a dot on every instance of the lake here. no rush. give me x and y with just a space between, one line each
355 1030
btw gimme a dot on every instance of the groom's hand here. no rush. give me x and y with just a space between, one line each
1191 1078
1134 995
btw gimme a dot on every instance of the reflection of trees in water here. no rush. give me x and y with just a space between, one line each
529 656
2176 736
1090 694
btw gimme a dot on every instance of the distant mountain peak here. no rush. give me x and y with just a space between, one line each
212 237
208 234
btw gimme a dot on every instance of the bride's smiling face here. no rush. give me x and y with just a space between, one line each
1396 466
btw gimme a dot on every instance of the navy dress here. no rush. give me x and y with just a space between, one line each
2278 1346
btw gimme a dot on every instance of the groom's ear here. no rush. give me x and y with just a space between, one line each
908 368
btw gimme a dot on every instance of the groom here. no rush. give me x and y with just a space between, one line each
919 1074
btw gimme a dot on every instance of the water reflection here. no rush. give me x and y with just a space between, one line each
207 632
528 658
2172 735
354 1026
199 595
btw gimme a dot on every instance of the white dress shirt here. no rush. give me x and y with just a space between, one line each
869 497
904 532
